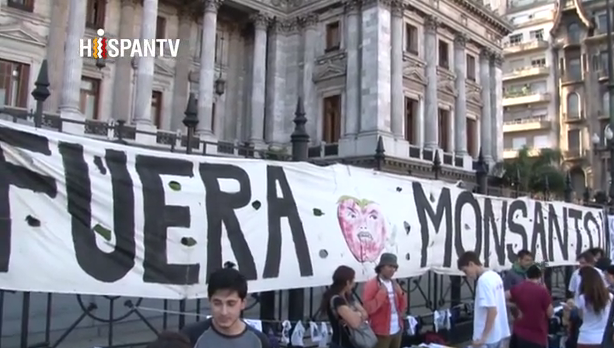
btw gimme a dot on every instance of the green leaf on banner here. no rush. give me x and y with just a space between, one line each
174 185
256 205
188 241
103 232
317 212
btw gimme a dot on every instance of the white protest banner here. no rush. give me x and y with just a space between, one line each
84 216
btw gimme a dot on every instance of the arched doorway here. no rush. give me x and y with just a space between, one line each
578 180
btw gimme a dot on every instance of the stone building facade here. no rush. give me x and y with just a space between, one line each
580 57
425 74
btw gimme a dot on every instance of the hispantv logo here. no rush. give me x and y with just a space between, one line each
102 47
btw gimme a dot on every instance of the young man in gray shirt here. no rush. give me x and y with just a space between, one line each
227 290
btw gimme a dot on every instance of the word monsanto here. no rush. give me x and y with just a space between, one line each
102 47
103 218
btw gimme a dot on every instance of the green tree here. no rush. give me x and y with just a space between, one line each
535 173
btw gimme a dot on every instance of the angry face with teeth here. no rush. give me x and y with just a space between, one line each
364 227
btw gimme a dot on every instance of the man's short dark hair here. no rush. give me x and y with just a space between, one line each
534 272
170 339
610 270
227 278
587 256
523 253
597 252
468 257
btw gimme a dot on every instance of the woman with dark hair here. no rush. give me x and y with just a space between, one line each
341 309
593 306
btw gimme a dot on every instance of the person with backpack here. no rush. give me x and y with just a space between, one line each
385 302
345 315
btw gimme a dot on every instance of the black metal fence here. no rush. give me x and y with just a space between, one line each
53 320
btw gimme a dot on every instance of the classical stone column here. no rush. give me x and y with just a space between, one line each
493 108
183 64
73 63
145 68
397 97
258 78
485 125
276 85
352 75
55 52
122 84
460 105
207 68
431 124
497 100
310 44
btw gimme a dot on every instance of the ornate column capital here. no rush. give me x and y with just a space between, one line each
485 54
431 23
460 40
309 20
352 6
212 5
396 8
260 20
497 59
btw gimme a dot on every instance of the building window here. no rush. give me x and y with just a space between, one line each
519 143
444 121
472 137
89 98
537 34
470 67
443 54
515 39
24 5
605 103
156 108
411 109
573 139
332 119
333 36
14 79
601 23
573 105
604 61
95 14
573 33
574 69
538 62
411 39
160 28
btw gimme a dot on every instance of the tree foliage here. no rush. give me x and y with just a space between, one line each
535 174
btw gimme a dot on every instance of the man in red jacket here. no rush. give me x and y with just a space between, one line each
385 302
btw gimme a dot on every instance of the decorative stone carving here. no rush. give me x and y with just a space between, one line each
498 60
260 20
186 11
485 53
413 69
445 82
474 93
309 21
328 71
212 5
431 23
396 8
194 76
291 25
132 3
460 39
352 6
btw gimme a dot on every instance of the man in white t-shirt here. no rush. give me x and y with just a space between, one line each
586 259
490 324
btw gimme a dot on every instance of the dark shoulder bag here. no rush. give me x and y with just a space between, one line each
361 337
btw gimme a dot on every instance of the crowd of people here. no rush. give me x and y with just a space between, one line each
519 292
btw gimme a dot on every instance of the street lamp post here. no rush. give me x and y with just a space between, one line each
609 142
